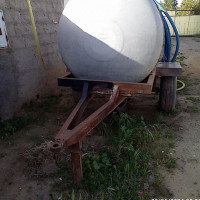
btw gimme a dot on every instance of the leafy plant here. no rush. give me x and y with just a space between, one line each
121 170
9 127
47 105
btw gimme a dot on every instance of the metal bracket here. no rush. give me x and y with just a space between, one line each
72 132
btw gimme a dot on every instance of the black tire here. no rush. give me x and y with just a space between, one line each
167 99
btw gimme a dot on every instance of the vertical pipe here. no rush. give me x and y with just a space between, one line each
76 163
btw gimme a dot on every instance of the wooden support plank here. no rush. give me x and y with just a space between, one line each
169 69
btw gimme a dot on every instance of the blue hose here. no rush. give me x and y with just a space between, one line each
167 52
176 34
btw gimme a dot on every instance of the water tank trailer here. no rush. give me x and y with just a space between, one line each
113 47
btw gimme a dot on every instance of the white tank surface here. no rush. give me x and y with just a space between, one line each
116 40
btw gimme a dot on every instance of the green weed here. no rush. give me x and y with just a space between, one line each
193 99
10 127
158 118
181 58
175 112
192 160
188 83
47 105
186 80
193 109
120 170
170 134
171 163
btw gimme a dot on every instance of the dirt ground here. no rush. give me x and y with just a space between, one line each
19 180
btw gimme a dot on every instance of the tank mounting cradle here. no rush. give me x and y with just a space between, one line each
73 131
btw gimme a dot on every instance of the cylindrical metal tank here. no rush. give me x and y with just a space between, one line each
117 40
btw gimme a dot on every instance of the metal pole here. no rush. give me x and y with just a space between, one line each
76 158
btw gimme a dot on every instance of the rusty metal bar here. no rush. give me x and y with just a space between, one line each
67 137
127 89
73 119
76 158
72 133
71 137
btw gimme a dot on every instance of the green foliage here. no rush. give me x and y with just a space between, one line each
181 59
170 134
158 118
169 4
189 5
193 99
171 163
10 127
47 105
122 169
188 83
193 109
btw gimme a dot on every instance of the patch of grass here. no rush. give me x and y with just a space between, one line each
2 155
188 82
29 190
176 111
158 118
196 81
193 109
171 144
47 105
36 139
171 163
192 160
170 134
181 58
122 169
10 127
160 153
193 99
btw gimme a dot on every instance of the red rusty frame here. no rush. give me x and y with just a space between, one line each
72 133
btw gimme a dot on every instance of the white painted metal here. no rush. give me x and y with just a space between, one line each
3 33
119 40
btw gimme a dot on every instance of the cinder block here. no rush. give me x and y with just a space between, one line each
21 64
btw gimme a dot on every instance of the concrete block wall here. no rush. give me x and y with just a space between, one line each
22 77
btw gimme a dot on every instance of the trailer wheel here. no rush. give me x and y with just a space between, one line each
167 99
